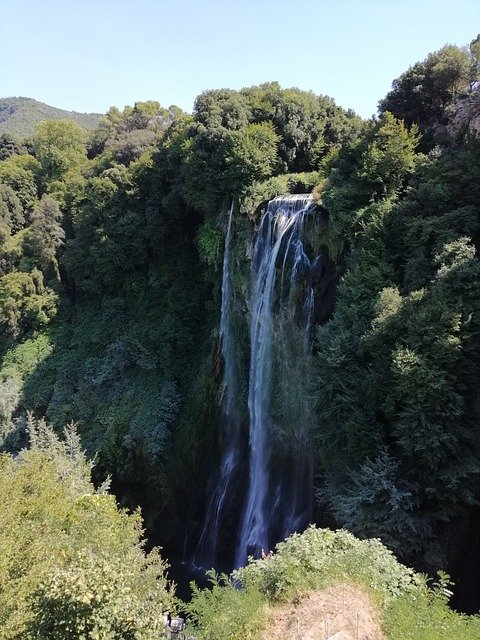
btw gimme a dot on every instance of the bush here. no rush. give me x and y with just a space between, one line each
320 557
72 564
224 612
100 597
236 607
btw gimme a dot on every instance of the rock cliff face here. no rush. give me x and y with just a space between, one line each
278 284
465 116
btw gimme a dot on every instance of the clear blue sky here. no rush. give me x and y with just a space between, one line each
90 54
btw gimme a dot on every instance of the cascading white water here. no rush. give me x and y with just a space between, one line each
280 230
208 540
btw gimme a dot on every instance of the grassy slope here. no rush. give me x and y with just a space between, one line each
19 116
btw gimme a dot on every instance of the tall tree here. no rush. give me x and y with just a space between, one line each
60 147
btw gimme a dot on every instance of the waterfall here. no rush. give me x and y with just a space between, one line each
266 511
207 545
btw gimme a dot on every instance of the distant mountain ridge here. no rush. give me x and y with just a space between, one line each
19 116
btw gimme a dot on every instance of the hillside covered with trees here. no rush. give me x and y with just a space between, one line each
111 257
19 116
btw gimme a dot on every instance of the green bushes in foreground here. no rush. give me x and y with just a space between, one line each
72 565
428 617
318 558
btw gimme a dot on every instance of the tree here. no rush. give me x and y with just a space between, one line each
372 169
376 500
21 173
424 92
254 156
9 146
448 74
388 158
142 123
60 147
222 109
45 235
11 210
396 365
129 146
25 304
475 62
307 125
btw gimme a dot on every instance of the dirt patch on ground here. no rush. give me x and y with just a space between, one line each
342 612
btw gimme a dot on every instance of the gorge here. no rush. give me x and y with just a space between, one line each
242 363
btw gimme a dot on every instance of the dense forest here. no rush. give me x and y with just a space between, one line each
111 254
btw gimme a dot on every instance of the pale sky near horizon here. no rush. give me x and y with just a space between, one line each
88 55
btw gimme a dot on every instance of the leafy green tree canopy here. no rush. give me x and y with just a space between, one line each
60 147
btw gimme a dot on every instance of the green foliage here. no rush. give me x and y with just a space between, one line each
429 617
44 235
19 362
128 146
223 612
263 191
396 364
25 304
11 210
18 116
241 137
254 155
9 145
9 400
22 359
122 136
22 174
60 148
118 240
387 159
321 557
374 169
240 606
100 597
376 500
210 243
99 253
474 61
71 562
149 428
222 109
307 125
426 90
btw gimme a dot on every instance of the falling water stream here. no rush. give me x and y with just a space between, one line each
280 231
276 500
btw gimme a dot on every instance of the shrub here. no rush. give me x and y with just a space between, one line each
72 564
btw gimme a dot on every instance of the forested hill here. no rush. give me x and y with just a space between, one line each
111 258
19 116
